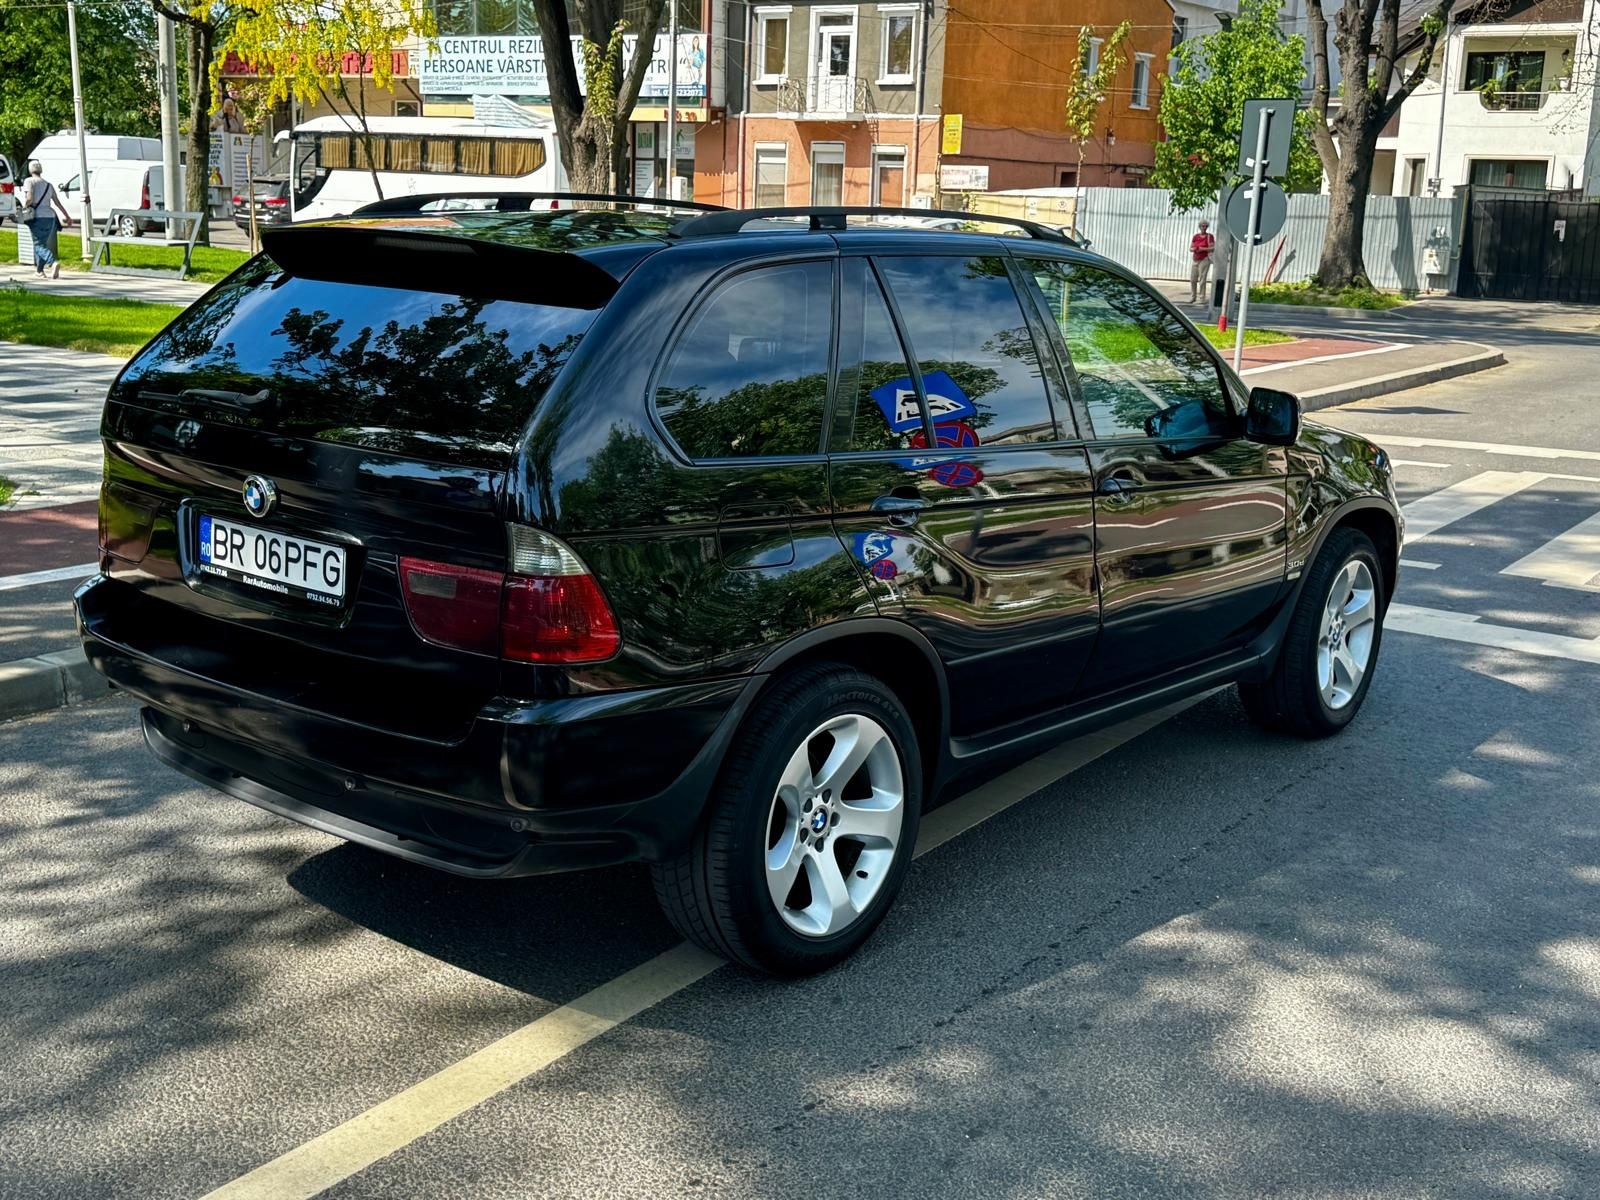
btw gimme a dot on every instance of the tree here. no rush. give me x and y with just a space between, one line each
1087 88
202 25
592 120
327 50
117 47
1202 107
1367 38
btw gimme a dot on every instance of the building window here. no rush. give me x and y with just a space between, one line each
1510 173
1141 81
1093 63
1180 34
1508 79
772 44
1416 175
827 174
407 108
889 176
772 175
899 39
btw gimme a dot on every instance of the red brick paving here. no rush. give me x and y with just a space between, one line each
1303 348
41 539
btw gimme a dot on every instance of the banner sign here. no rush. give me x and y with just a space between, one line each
515 66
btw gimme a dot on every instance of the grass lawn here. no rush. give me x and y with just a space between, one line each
209 264
7 489
1309 293
81 322
1124 343
1252 337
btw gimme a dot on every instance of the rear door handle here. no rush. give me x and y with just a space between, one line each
901 510
1117 488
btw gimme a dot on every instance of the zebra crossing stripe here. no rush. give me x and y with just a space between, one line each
1572 558
1450 504
1470 628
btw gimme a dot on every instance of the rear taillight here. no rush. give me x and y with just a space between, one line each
7 188
144 195
238 200
548 609
275 201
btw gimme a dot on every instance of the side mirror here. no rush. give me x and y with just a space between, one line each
1273 417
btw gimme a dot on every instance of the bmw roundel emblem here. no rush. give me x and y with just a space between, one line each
260 494
819 821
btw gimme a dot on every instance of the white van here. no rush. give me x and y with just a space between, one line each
58 154
414 156
126 185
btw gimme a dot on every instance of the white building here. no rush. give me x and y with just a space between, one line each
1196 18
1519 105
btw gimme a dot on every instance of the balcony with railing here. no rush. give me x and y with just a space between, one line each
839 97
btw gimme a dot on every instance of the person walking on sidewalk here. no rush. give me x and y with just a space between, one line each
39 207
1201 247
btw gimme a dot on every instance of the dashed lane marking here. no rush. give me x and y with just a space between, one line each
378 1132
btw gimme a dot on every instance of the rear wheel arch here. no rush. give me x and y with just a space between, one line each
893 653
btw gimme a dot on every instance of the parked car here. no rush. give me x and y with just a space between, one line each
10 181
270 198
58 155
123 186
519 541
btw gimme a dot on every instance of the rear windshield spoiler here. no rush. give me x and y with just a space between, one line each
381 255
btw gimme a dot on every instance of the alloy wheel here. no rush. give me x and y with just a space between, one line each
1344 639
835 824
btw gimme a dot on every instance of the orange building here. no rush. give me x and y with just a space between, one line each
1006 63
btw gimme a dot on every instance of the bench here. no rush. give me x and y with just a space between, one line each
103 244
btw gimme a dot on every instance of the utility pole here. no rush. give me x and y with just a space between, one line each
77 116
672 100
167 84
1263 121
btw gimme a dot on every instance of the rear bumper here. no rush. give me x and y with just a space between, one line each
532 787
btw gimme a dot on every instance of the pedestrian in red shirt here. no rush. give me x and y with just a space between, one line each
1202 246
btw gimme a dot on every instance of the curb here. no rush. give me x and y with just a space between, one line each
33 685
1399 381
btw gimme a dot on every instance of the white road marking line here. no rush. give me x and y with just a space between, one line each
1395 439
1470 628
388 1126
1301 362
1419 564
1434 511
1412 462
1571 558
29 579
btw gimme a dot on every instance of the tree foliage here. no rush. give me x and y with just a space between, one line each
1202 107
326 50
117 52
1086 89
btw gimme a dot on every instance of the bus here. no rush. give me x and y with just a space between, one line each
330 175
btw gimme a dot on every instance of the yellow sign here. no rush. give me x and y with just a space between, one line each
952 134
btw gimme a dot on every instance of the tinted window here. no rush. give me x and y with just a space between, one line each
1139 371
411 372
750 376
978 360
884 414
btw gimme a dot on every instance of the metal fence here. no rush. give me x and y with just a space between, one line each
1409 242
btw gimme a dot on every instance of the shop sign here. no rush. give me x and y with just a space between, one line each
963 179
515 66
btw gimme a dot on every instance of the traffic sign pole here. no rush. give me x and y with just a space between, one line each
1258 167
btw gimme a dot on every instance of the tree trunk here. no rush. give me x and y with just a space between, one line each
589 160
1342 264
197 168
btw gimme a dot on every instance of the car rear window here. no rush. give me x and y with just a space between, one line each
415 373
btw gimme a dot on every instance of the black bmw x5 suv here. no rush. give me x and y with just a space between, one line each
521 541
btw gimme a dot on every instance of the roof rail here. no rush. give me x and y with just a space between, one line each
520 201
822 219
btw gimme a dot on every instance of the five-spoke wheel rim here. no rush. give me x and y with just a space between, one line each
835 824
1344 642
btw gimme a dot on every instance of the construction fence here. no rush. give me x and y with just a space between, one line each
1410 242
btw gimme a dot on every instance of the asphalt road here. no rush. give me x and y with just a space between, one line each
1209 963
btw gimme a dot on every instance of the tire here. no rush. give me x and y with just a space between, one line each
1314 690
723 892
128 227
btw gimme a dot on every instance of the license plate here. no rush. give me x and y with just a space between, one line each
272 561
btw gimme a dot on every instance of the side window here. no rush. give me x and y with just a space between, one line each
979 364
1140 372
884 414
749 377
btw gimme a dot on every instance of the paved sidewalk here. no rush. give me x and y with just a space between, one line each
50 402
120 287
